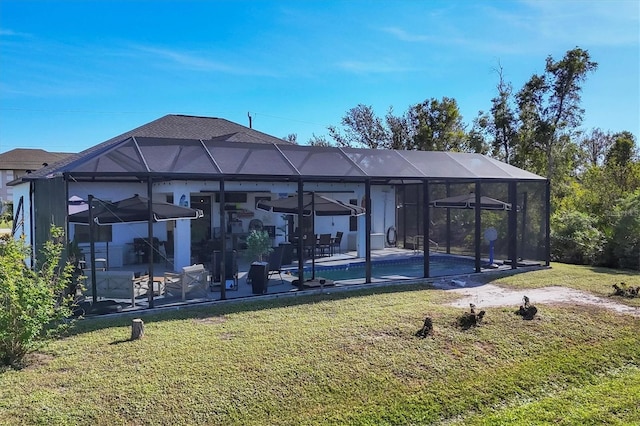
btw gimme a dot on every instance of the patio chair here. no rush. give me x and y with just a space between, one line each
309 242
230 269
192 279
336 242
117 285
275 262
324 244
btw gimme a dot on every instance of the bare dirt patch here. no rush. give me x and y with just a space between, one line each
486 295
210 320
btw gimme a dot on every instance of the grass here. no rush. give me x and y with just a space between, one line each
344 358
595 280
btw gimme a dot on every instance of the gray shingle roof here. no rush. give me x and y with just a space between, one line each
177 127
29 159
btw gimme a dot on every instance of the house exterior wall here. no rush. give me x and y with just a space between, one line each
383 210
24 226
6 192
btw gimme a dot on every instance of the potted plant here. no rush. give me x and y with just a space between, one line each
258 245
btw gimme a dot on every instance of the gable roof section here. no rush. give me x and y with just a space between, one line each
172 126
138 157
29 159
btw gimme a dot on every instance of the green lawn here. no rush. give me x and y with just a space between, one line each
344 358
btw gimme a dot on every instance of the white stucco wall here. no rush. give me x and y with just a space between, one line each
22 191
382 198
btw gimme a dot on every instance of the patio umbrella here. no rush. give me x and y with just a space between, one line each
312 205
77 204
134 210
468 201
130 210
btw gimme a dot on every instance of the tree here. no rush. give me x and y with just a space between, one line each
621 162
549 104
503 123
318 141
291 137
595 145
436 126
625 241
33 304
362 128
398 130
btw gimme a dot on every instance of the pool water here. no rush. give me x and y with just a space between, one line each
398 269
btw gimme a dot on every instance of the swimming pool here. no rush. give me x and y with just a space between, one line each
406 268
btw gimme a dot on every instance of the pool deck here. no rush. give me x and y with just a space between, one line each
277 286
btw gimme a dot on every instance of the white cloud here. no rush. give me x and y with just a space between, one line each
377 67
10 33
403 35
195 61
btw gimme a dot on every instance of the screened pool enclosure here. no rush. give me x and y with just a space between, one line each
402 193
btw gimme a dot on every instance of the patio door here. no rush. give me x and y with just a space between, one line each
201 228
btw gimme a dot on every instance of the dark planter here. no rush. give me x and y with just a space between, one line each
259 277
287 253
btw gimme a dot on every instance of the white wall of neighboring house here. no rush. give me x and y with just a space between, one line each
26 228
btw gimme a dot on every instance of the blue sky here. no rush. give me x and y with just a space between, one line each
75 73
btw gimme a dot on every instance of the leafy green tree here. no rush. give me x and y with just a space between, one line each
33 303
437 126
362 128
549 104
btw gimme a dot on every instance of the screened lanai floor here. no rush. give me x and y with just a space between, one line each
340 264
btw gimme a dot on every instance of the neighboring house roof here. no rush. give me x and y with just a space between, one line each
29 159
175 127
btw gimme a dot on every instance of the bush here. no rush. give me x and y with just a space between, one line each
625 241
575 238
33 305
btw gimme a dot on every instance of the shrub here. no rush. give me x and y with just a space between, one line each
625 241
33 305
575 238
